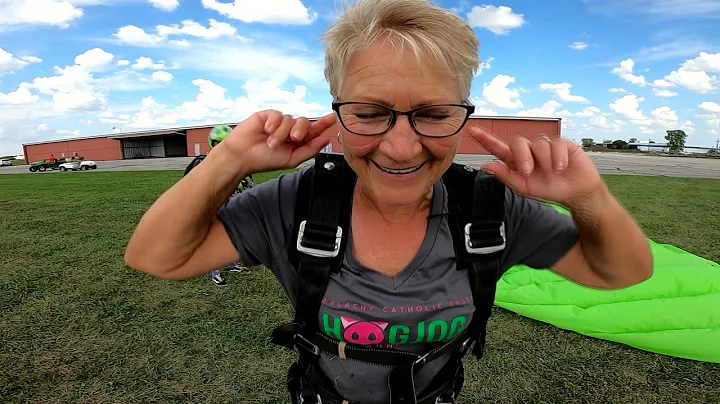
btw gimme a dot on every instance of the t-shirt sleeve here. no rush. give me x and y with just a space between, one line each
537 234
259 221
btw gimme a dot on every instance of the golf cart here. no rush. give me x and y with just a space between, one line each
78 165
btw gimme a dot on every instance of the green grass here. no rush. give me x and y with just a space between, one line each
77 326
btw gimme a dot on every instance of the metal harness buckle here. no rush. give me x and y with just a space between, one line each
444 399
318 399
316 252
304 343
484 250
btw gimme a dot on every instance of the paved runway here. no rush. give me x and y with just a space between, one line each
606 162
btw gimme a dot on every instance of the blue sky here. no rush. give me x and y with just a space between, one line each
611 69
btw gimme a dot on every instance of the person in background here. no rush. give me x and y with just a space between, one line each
217 134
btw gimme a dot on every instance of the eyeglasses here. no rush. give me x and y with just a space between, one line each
369 119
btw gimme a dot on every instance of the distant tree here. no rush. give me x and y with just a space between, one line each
632 140
607 141
652 141
676 140
587 142
619 144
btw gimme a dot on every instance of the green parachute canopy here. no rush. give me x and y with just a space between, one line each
676 312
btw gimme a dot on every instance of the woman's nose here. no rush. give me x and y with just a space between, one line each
401 142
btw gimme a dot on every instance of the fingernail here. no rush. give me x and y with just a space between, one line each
561 164
525 167
270 128
270 143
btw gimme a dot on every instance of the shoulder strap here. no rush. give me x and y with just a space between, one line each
197 160
476 204
322 219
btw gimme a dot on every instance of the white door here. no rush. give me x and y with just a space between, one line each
197 149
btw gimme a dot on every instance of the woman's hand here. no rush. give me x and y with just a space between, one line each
551 169
269 140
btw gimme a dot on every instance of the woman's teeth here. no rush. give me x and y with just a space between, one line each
401 171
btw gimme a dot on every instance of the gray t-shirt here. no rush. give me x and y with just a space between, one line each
429 301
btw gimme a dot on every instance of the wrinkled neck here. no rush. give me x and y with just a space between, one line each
394 214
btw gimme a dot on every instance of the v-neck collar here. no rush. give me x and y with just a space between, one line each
434 220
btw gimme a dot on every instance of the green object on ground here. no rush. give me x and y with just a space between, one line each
676 312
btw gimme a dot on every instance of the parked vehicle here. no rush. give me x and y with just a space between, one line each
77 165
6 162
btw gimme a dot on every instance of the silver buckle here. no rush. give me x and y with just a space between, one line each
484 250
302 399
441 400
315 251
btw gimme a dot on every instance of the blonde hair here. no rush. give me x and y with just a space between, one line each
426 28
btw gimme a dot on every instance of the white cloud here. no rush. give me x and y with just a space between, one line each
145 62
75 89
497 93
166 5
617 90
664 93
18 13
162 76
286 12
547 110
123 62
664 10
628 108
711 115
710 106
660 83
136 36
68 134
267 61
212 103
215 29
11 64
562 92
625 72
578 45
94 60
20 96
693 73
497 19
665 117
588 112
484 66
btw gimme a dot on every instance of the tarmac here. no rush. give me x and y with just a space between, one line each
606 162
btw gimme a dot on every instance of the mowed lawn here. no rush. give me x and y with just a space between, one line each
78 326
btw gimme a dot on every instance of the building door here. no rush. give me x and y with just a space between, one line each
197 149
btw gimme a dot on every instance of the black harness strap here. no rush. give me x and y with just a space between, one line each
477 224
318 241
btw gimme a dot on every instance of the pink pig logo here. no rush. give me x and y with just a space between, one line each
363 332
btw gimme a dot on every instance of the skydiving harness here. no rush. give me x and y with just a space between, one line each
322 219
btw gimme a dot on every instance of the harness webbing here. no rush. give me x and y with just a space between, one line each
322 220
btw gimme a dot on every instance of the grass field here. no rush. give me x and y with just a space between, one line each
77 326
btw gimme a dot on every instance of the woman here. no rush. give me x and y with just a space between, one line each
390 55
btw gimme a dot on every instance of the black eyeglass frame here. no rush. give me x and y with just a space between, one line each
469 108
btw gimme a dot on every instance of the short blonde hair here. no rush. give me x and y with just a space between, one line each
423 26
